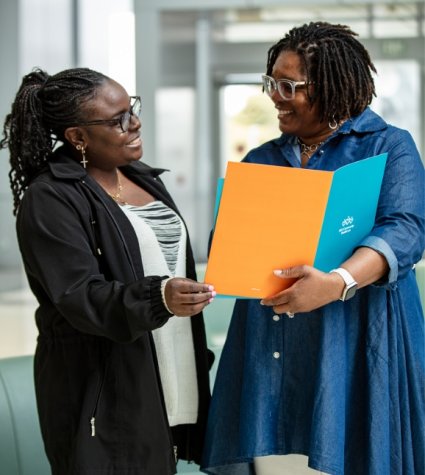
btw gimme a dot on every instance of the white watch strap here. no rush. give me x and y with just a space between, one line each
347 277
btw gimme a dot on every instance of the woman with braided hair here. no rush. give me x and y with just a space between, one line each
121 377
319 370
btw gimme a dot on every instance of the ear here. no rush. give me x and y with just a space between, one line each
75 136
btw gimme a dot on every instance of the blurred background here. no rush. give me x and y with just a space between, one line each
197 65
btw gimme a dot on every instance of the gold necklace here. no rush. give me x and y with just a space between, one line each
117 196
308 150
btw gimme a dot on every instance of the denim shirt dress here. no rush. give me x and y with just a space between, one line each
343 384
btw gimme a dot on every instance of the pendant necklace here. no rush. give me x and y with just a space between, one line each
117 196
308 150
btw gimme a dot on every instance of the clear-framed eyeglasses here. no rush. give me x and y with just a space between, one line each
124 119
285 87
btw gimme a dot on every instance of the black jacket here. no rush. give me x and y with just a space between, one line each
99 398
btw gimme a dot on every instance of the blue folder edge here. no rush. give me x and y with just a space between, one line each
218 193
350 211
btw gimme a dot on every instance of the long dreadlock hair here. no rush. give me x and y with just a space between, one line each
336 62
44 107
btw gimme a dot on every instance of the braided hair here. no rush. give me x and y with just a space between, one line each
44 107
336 62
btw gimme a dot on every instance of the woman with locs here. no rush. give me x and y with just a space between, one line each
333 367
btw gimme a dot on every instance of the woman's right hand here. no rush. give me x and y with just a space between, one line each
186 297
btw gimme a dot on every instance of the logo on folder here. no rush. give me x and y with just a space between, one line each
347 225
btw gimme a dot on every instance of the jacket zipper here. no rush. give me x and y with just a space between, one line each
93 428
94 412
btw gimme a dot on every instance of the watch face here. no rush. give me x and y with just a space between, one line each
350 291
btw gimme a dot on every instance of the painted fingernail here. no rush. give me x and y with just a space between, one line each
213 293
210 300
210 288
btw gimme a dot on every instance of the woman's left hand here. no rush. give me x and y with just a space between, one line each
186 297
311 290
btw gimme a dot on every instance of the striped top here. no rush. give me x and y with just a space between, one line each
162 240
166 226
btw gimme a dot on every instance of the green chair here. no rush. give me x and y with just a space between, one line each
184 468
21 446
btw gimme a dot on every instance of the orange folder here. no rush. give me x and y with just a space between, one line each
288 213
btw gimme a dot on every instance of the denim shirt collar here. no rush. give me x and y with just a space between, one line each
366 121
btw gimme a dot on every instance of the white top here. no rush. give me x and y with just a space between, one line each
162 241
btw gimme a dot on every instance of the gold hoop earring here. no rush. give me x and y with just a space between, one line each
83 161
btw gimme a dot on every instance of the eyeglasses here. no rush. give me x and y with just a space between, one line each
285 87
124 119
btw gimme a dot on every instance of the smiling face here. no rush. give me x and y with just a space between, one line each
297 117
106 145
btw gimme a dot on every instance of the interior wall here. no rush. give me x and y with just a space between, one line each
170 40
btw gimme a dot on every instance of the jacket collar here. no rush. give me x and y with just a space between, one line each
64 167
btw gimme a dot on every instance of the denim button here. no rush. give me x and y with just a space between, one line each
276 318
276 355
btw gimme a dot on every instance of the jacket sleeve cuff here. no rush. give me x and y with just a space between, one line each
159 306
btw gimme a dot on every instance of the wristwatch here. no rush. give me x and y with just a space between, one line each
350 284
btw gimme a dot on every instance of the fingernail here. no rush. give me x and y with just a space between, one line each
261 302
210 300
210 287
213 293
